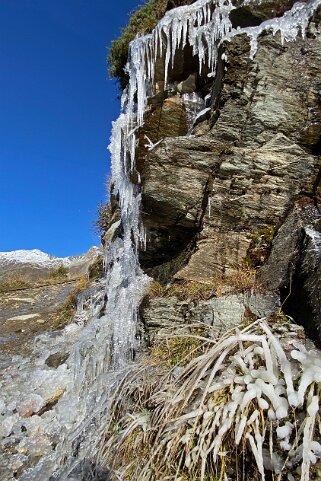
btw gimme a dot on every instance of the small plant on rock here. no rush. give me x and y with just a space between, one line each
142 21
60 273
104 216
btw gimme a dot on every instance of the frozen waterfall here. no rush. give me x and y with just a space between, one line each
106 343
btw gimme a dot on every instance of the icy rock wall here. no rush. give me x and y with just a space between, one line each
108 341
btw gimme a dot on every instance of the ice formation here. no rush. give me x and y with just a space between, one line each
104 344
248 388
290 25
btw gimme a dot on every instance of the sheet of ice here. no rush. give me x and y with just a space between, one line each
194 105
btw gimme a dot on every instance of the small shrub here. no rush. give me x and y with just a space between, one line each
60 273
104 216
260 246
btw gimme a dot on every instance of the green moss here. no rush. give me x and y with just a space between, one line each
142 21
260 246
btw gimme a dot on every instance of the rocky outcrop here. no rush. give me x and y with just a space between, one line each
214 197
253 13
258 158
164 317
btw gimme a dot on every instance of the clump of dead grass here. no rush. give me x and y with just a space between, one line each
68 310
239 280
176 350
15 283
20 282
240 409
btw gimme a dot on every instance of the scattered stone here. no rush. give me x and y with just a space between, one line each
56 359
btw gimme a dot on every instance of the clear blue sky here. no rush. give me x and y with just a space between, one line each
56 109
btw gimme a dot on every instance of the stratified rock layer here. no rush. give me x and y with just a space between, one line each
259 157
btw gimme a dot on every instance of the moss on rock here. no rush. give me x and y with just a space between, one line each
142 21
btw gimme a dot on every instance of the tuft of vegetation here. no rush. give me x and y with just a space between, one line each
243 278
96 270
246 406
104 216
260 246
178 350
68 310
15 283
141 22
60 273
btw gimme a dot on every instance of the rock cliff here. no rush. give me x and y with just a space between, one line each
228 167
238 186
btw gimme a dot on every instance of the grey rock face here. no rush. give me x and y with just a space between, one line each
175 184
252 165
294 268
254 12
247 168
166 316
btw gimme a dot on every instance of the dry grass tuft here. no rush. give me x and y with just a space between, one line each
242 279
240 409
20 282
14 283
68 310
176 351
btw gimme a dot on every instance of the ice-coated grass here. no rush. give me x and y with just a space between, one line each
249 401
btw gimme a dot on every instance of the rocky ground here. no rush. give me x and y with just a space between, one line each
41 318
27 312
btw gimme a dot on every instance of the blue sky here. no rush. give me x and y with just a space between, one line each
56 109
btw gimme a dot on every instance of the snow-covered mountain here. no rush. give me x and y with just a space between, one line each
36 264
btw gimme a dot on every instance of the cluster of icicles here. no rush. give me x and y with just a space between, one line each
202 25
108 341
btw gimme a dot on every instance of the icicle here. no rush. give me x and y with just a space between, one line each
290 25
